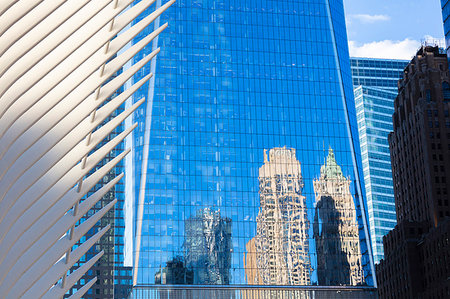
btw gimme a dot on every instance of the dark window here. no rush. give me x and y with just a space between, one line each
428 95
446 91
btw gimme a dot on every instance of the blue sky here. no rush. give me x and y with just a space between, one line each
391 28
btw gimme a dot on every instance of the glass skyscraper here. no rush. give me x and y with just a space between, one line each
246 166
375 88
377 73
445 4
114 278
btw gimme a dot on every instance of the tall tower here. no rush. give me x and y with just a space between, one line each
233 78
335 228
445 4
416 263
375 87
420 143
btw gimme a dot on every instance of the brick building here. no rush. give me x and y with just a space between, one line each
416 264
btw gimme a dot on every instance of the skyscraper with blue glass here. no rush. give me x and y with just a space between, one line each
375 87
445 4
249 101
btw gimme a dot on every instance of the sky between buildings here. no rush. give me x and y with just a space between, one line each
392 28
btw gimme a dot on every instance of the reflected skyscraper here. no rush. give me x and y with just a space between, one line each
281 244
335 228
208 247
175 272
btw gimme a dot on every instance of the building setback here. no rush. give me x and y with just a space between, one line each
375 88
420 154
377 73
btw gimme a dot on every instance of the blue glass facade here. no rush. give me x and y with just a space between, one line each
375 88
380 73
445 4
246 163
110 270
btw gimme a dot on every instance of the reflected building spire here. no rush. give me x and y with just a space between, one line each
279 253
335 228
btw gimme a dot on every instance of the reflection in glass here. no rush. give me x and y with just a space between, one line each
335 228
234 78
174 273
279 253
208 247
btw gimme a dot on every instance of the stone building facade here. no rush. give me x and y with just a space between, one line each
416 264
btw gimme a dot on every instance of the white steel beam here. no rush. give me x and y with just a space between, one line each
58 64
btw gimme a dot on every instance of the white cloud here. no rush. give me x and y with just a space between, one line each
388 49
369 19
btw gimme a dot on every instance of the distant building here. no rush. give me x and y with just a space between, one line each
375 88
208 247
417 261
377 73
445 4
336 229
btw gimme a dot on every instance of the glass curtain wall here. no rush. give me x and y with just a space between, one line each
445 4
375 89
246 168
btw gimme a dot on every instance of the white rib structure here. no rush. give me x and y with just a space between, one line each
56 59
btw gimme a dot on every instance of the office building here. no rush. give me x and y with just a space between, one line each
375 88
377 73
419 145
234 78
445 4
417 261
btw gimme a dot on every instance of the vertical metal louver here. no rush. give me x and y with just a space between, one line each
56 57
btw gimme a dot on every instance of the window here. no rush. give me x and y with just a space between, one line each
446 91
428 95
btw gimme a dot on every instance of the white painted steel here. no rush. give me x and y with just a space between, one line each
56 61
